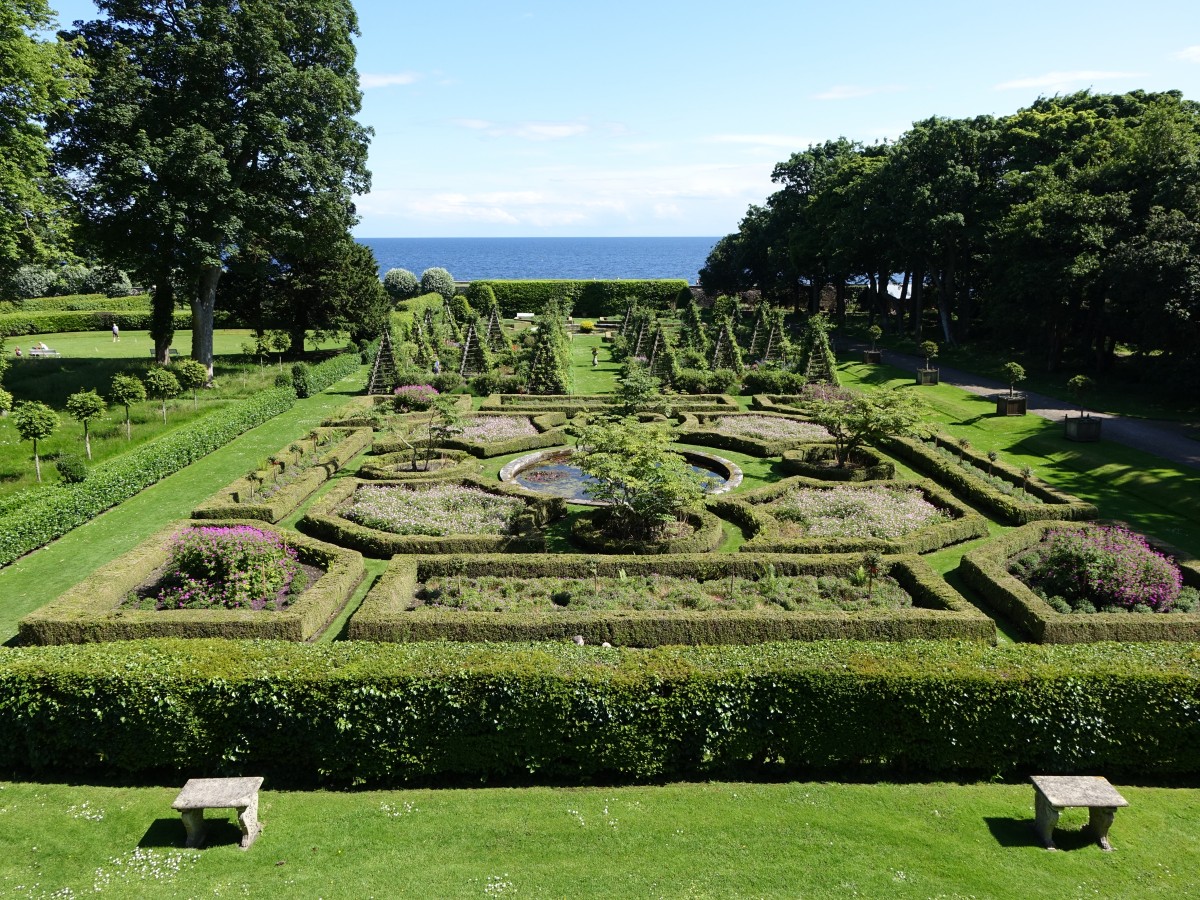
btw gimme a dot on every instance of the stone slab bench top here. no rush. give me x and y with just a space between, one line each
1078 790
217 793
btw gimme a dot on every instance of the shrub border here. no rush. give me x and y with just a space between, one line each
86 613
985 569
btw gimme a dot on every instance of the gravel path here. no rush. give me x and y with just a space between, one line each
1164 439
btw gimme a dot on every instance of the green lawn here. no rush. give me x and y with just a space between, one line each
810 840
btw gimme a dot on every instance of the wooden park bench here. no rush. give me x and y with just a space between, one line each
200 794
1053 793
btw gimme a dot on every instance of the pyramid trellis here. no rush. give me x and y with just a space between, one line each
773 350
726 353
429 320
757 336
641 338
383 372
820 367
494 335
474 358
660 359
451 324
628 320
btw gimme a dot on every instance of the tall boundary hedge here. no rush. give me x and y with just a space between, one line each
386 615
90 611
986 570
16 324
357 713
587 299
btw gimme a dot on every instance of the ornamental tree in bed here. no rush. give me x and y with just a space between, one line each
35 422
126 390
161 384
852 421
84 406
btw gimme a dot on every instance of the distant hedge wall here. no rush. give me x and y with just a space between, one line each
588 299
357 713
16 324
986 570
385 614
73 302
89 611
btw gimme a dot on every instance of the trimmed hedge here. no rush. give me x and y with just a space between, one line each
359 412
707 534
395 466
693 431
330 371
385 614
574 404
89 612
550 434
90 302
355 713
16 324
1056 504
869 464
322 521
52 511
985 569
751 511
228 503
587 299
407 311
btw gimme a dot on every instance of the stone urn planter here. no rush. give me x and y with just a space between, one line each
1083 428
1010 404
873 357
927 376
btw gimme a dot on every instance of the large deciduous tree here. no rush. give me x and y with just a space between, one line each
38 79
213 126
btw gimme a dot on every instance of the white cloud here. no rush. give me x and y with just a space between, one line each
1190 54
793 142
372 80
1061 81
529 131
854 91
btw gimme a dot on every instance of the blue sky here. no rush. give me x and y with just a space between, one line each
551 117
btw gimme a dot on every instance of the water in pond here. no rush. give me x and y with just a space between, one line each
557 476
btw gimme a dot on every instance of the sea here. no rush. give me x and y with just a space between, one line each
468 259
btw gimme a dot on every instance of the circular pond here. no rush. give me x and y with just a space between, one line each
551 472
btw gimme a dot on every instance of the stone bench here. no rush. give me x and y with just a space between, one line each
1053 793
200 794
36 352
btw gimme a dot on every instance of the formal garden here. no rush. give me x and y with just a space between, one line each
638 576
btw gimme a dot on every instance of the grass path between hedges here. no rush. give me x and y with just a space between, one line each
41 576
812 840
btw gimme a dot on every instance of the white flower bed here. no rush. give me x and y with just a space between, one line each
770 428
490 429
434 511
856 512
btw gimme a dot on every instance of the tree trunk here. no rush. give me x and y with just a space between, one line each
203 307
918 302
840 307
37 463
87 441
162 321
945 286
902 302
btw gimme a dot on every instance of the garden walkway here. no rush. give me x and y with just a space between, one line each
1164 439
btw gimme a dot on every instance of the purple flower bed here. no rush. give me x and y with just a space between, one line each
236 567
414 397
1103 569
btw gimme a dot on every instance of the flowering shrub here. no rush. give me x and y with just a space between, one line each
856 512
1105 568
489 429
436 510
238 567
413 397
770 428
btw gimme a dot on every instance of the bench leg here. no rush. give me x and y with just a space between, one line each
1046 817
248 822
1100 819
193 823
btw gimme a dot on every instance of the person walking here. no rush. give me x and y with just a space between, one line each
595 357
116 333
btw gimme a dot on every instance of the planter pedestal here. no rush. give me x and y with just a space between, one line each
873 357
927 376
1083 428
1010 406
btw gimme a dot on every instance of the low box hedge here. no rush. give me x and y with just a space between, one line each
700 430
367 412
40 515
322 521
89 611
385 615
367 714
816 461
707 535
752 512
985 569
241 500
1010 510
397 466
549 427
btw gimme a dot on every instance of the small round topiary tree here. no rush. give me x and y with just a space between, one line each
192 375
1079 388
126 390
874 333
400 284
162 384
35 422
437 281
1014 374
86 407
929 349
